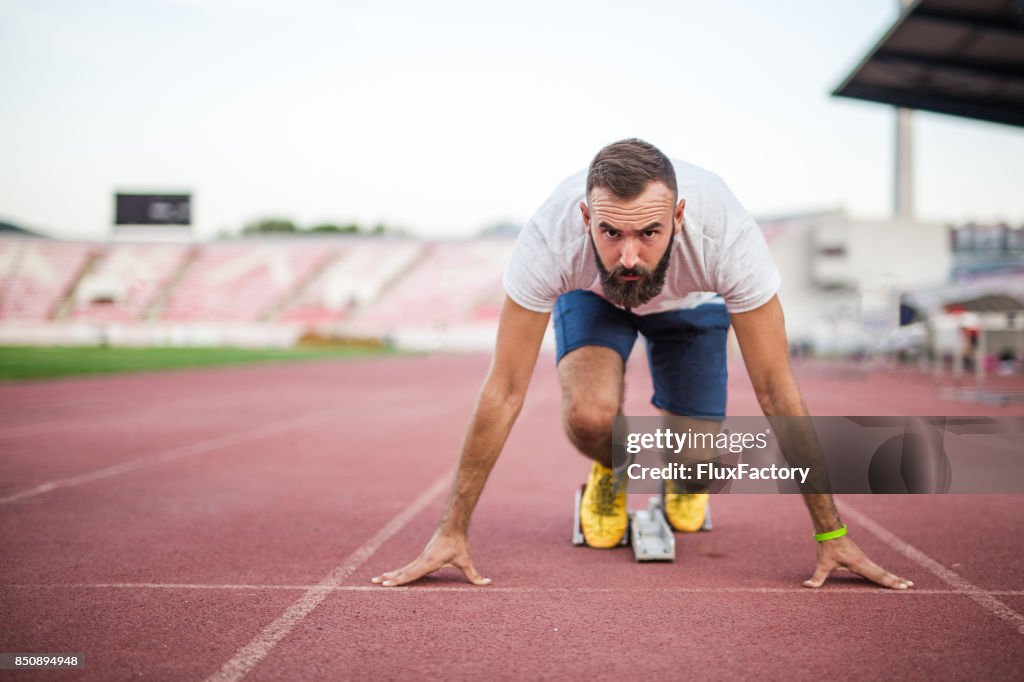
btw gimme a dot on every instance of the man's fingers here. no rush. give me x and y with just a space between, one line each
406 574
390 575
385 576
875 573
400 579
413 571
819 577
469 570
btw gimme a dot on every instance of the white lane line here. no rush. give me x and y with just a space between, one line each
960 584
469 589
246 658
226 440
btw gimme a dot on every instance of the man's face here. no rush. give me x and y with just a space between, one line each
632 241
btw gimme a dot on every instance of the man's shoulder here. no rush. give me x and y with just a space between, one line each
559 218
567 194
696 182
711 208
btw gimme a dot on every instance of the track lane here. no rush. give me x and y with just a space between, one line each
288 510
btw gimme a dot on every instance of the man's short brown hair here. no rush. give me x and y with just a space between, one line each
626 167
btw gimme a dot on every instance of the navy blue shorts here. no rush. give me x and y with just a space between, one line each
685 348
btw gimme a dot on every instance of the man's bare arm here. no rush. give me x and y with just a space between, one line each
762 337
520 332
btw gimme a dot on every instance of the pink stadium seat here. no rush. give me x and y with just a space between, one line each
355 279
128 281
445 287
244 281
37 275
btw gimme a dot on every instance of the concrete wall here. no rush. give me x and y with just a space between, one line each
841 278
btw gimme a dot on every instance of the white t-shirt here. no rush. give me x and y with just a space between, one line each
720 251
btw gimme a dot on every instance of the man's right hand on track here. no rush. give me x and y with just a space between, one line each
440 552
520 333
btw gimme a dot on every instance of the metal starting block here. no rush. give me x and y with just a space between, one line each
707 518
649 532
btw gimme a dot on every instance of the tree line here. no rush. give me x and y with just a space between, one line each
285 226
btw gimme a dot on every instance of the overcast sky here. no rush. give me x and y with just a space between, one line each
444 117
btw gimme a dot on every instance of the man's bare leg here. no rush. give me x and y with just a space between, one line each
686 502
592 392
692 455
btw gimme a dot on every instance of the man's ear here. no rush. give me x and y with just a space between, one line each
678 215
586 216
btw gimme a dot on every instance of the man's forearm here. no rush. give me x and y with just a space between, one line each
798 442
489 427
799 445
824 514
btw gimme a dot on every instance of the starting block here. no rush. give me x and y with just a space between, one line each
649 532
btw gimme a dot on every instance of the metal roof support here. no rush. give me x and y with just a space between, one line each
903 156
903 171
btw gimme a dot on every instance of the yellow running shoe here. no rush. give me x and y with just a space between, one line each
603 514
685 511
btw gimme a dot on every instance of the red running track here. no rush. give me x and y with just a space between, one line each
225 524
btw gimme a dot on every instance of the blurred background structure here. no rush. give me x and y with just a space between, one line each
943 294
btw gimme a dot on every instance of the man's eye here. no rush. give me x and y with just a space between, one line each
612 234
650 234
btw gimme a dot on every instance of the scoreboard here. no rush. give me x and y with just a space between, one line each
153 209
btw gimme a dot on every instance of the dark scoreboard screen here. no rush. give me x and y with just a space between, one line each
153 209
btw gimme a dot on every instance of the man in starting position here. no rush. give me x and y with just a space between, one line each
619 249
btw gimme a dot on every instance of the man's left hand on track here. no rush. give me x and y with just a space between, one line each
442 551
843 553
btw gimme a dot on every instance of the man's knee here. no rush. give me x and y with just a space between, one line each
590 423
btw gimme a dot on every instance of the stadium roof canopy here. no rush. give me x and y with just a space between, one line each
8 229
960 57
997 293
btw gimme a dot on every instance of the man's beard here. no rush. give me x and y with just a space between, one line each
633 294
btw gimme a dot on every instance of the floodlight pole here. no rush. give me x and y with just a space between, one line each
903 153
903 172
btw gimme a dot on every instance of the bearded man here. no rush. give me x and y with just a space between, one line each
619 249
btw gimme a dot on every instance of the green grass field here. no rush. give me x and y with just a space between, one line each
38 363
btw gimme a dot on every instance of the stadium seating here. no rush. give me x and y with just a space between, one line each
374 285
37 275
245 281
128 281
354 280
447 285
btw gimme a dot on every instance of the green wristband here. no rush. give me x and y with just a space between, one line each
831 535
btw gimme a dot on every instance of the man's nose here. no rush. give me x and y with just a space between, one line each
630 254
